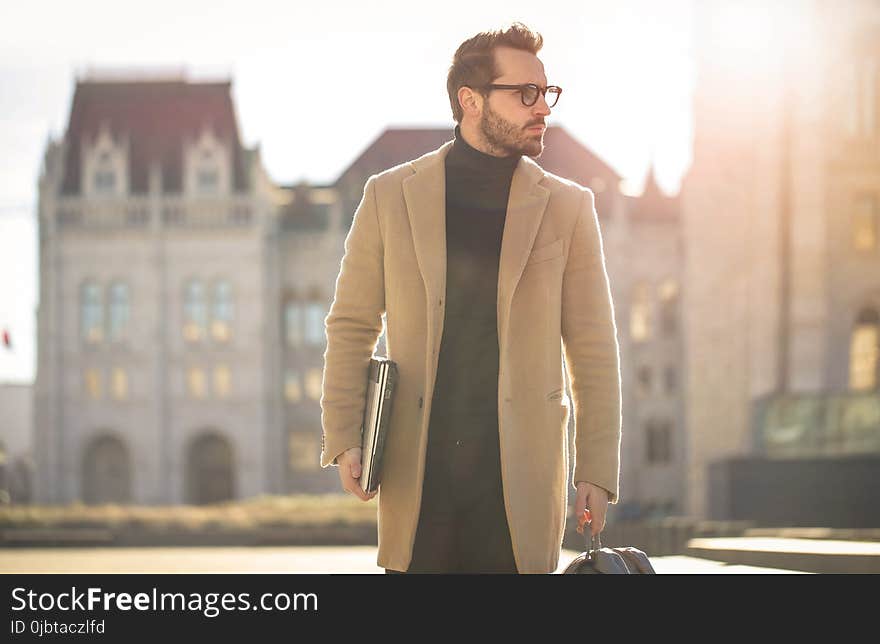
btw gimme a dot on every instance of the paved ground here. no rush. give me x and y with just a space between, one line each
814 555
804 546
319 560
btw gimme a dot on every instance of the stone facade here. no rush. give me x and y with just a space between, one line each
773 284
156 322
16 443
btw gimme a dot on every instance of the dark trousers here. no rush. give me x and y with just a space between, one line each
474 540
462 524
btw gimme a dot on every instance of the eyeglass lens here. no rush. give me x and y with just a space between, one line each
530 95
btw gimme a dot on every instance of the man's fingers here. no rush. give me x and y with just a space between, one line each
580 502
363 496
588 498
598 523
353 485
598 516
350 473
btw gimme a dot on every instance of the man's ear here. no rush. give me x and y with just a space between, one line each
471 102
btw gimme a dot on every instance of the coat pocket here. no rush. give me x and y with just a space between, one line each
546 252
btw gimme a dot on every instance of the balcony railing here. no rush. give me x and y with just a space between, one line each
137 212
821 424
76 212
207 212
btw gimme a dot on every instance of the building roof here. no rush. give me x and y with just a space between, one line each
155 116
393 147
563 155
653 205
299 212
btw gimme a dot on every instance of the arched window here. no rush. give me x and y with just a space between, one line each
221 315
104 177
293 323
866 220
314 383
668 293
92 379
195 312
195 383
207 174
864 352
119 383
208 180
105 181
644 377
106 471
210 469
119 310
314 323
640 313
658 442
222 381
91 313
304 450
670 379
292 387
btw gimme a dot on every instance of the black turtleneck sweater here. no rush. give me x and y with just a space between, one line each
463 454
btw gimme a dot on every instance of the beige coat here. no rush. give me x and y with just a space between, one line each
552 287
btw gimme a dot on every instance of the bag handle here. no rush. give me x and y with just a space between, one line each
592 542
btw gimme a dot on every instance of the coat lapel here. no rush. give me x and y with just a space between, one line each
525 210
425 195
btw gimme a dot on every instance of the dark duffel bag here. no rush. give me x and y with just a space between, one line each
596 560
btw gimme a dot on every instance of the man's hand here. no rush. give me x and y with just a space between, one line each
596 499
350 472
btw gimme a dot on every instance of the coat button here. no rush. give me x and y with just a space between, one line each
458 442
420 402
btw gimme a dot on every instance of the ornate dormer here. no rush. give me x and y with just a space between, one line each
207 165
104 165
652 189
653 204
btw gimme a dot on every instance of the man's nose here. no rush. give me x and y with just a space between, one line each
540 107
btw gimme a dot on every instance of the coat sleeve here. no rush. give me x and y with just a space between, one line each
589 338
353 326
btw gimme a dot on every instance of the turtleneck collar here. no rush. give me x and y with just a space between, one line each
463 155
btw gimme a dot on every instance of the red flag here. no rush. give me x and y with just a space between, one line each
6 341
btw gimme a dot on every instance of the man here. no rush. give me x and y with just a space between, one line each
482 263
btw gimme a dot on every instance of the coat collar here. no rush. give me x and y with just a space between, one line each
425 194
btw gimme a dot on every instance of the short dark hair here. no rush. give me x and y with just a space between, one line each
474 61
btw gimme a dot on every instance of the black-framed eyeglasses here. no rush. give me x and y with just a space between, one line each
529 92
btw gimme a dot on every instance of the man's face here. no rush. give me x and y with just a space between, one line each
505 122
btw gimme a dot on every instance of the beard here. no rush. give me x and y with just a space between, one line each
505 138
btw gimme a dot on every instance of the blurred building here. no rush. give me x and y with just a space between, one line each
183 296
645 263
158 370
16 443
781 213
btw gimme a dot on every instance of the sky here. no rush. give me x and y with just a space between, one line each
314 85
